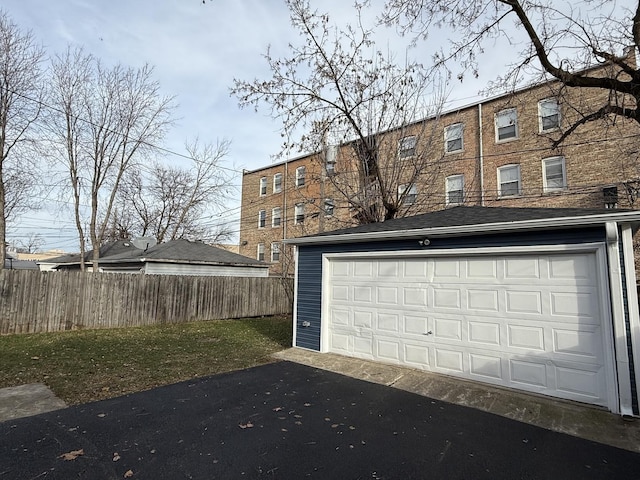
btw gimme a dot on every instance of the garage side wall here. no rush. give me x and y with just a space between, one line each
309 282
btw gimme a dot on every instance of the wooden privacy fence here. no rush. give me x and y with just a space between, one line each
33 301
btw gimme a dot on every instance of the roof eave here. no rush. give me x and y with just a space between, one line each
474 229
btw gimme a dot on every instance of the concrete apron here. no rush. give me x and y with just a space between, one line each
577 419
27 400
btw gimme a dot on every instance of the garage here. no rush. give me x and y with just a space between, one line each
527 321
539 300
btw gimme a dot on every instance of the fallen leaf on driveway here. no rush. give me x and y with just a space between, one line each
246 425
72 455
128 474
116 457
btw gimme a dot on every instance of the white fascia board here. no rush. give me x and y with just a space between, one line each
475 229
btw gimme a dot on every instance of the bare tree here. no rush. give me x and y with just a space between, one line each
336 88
105 121
20 104
557 40
170 202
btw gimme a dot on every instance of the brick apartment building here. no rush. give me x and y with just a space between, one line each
497 152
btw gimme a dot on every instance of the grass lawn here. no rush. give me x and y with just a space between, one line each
87 365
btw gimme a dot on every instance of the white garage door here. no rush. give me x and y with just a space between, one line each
532 322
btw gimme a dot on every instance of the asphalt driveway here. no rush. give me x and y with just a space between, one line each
289 421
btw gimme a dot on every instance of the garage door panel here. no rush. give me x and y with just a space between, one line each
447 298
526 337
416 355
447 329
519 322
449 360
484 300
485 367
485 334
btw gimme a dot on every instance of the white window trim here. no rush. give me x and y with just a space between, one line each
298 207
274 217
263 182
546 187
450 128
302 176
504 167
540 125
262 218
275 248
410 192
260 250
447 190
407 152
329 201
277 175
501 113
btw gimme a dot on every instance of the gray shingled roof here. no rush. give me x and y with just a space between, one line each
182 251
173 251
467 216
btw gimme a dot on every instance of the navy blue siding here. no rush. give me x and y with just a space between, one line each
310 265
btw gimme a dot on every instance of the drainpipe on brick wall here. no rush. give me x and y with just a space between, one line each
481 154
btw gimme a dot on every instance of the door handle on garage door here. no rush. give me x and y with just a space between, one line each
428 333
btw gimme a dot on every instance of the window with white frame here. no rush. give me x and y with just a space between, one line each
407 146
408 193
300 174
276 217
263 186
454 188
262 218
329 207
277 183
506 124
554 176
548 114
509 181
260 255
331 154
453 138
275 252
299 214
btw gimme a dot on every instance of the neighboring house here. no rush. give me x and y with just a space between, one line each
176 257
13 263
497 152
534 299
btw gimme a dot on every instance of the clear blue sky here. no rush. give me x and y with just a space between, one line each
197 50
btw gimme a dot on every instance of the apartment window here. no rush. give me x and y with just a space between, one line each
407 146
548 114
260 255
554 177
329 207
263 186
331 155
506 124
408 193
454 188
276 217
277 183
275 252
262 218
453 138
509 180
300 174
299 213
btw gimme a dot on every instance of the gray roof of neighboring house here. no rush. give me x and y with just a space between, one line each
459 217
174 251
183 251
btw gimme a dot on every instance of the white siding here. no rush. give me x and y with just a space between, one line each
205 270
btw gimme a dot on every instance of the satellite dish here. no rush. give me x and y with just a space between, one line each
144 242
